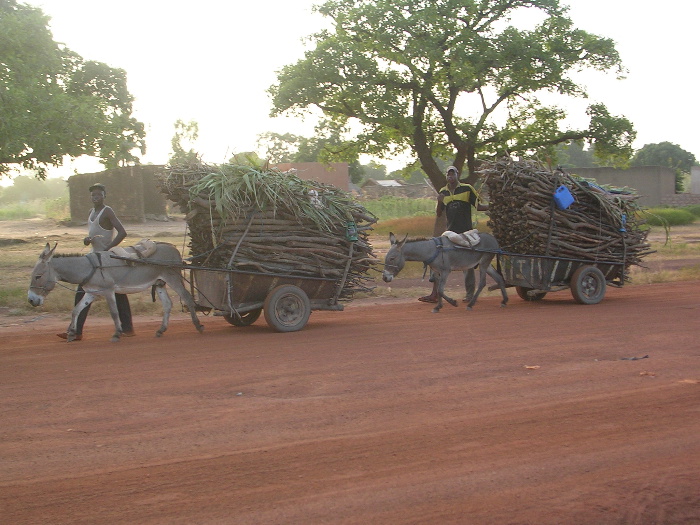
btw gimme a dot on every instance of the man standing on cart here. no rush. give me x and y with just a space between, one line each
456 200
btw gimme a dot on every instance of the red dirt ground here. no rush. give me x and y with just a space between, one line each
384 413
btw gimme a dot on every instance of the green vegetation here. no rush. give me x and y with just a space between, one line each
668 155
669 216
402 71
389 207
57 104
693 208
56 209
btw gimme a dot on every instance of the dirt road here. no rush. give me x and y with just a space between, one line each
383 413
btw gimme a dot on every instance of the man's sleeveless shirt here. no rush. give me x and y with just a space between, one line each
101 238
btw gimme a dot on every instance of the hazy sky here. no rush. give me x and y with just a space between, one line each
212 61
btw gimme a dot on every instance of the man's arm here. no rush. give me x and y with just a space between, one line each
440 204
117 225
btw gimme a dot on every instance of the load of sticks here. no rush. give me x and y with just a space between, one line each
601 224
265 220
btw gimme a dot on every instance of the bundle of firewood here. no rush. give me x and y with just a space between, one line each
264 220
601 223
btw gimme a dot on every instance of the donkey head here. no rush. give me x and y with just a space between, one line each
43 278
394 260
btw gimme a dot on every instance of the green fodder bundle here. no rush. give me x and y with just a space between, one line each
265 220
601 224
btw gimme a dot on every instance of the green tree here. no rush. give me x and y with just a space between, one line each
573 155
53 103
450 79
668 155
186 134
325 146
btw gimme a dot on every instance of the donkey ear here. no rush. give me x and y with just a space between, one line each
392 238
48 252
404 241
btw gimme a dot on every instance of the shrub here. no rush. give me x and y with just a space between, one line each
57 209
693 208
15 211
668 216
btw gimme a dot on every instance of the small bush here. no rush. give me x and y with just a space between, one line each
57 209
693 208
16 211
668 216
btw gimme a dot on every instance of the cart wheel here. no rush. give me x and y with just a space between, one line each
525 296
588 285
245 319
287 308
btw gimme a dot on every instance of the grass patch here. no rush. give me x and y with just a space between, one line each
688 273
421 226
390 207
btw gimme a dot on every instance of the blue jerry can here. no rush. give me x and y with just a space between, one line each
563 197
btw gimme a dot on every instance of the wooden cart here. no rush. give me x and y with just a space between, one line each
533 276
241 296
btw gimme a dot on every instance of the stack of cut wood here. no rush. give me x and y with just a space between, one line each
264 220
600 224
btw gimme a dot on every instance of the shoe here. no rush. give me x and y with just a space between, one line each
64 335
130 333
428 299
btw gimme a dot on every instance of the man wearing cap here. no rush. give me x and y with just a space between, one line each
102 224
456 199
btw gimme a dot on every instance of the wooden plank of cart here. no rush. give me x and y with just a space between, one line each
240 296
533 276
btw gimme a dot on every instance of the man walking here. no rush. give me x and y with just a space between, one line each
102 225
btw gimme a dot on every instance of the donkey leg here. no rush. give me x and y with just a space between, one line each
167 308
501 284
112 302
469 284
175 282
442 281
441 289
82 304
482 282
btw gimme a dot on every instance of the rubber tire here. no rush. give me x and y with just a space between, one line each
522 293
287 308
588 285
245 319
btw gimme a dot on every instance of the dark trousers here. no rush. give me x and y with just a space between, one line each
122 307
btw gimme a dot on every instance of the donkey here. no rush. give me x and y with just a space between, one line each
443 256
100 274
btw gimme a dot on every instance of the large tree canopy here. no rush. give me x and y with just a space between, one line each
54 103
448 79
